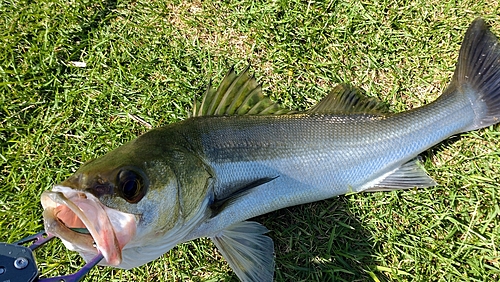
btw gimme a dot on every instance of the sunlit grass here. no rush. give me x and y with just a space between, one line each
152 58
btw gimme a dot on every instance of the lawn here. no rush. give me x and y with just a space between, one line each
81 77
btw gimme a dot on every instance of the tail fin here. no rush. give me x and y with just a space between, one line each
478 74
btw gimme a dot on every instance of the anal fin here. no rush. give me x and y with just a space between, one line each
248 251
409 175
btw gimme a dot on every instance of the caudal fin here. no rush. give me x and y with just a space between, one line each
477 74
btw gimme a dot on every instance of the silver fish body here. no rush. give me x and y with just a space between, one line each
307 158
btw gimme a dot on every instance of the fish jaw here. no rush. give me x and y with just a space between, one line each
109 230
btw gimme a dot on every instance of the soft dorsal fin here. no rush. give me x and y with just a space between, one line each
345 99
237 95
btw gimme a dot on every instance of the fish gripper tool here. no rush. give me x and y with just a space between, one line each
18 264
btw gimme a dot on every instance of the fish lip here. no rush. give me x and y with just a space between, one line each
102 237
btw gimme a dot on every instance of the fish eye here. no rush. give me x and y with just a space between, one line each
130 186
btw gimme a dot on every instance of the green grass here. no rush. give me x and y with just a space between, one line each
152 58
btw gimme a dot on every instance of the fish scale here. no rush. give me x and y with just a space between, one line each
353 150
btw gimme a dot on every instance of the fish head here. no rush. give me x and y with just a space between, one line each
132 204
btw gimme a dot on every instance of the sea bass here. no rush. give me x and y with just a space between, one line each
240 155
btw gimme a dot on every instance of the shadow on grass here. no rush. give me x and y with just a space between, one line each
100 17
320 241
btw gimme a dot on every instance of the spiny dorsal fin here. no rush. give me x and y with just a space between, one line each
237 95
344 99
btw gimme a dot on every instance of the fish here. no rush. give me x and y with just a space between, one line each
240 155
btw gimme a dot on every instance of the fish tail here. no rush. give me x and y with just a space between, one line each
477 75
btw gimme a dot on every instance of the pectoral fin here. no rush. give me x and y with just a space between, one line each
409 175
247 250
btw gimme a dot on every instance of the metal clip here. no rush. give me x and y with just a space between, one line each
17 262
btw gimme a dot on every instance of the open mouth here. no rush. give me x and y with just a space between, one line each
85 225
80 230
